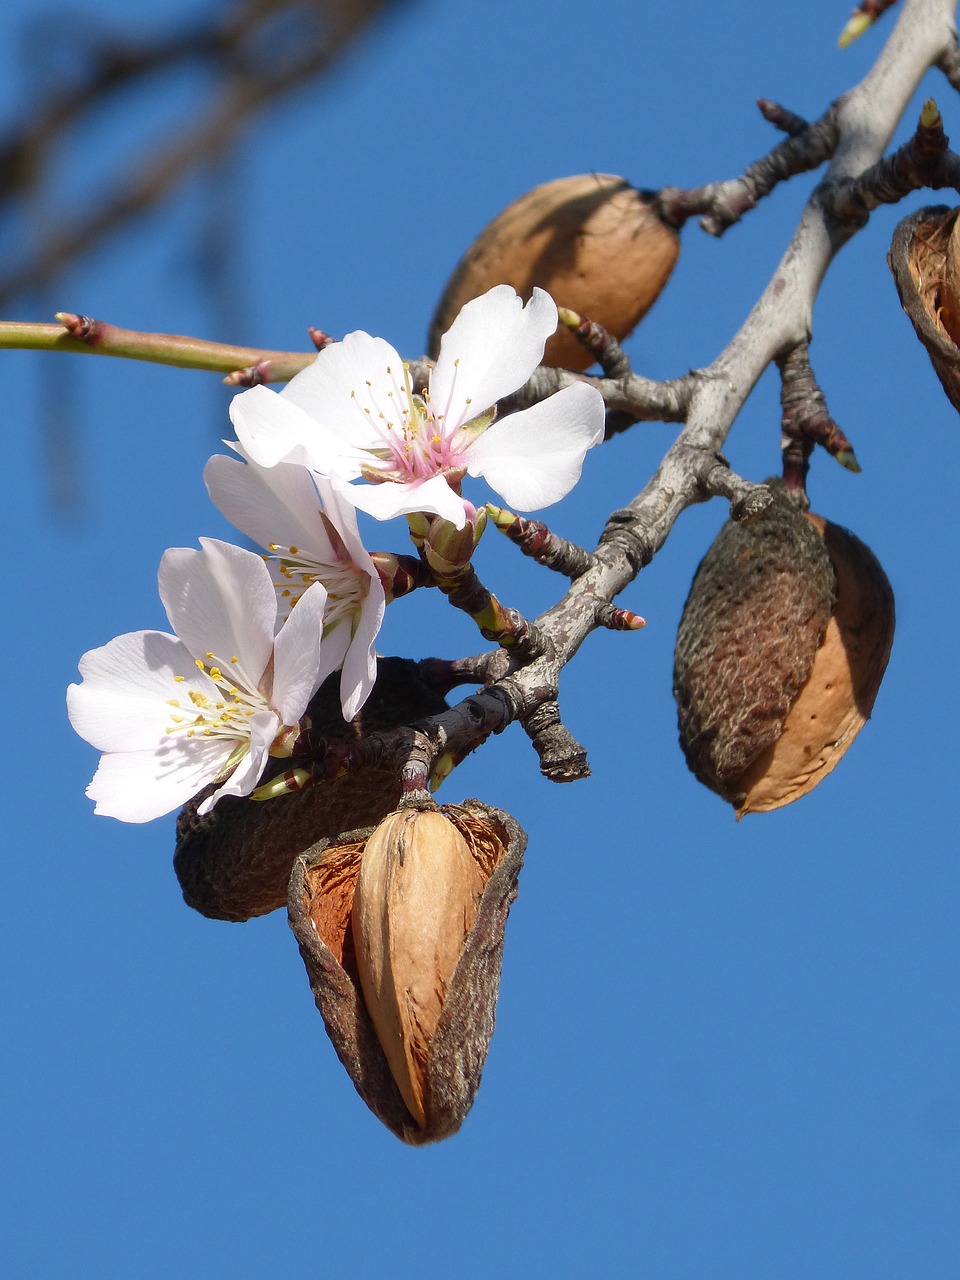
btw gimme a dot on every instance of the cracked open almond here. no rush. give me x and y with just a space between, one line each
593 241
401 930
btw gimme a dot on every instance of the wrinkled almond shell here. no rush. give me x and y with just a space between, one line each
925 260
322 887
781 650
756 612
593 241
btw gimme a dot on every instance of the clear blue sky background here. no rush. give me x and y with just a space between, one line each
723 1052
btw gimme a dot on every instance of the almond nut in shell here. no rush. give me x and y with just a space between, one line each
594 242
401 930
780 653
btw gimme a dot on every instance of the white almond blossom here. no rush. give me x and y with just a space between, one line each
353 413
311 535
173 713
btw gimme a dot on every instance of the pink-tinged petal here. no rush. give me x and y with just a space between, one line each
273 429
434 496
347 380
534 458
489 351
300 663
359 672
136 786
130 689
272 505
264 727
221 600
341 512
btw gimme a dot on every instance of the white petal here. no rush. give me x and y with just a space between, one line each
136 786
264 727
272 505
125 700
273 429
489 351
340 510
348 378
434 496
534 458
221 600
299 661
359 672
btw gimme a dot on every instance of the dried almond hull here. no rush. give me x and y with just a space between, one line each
592 241
322 889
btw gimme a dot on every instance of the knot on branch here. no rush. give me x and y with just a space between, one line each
562 758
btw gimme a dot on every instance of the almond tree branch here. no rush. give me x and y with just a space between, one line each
707 401
84 336
781 320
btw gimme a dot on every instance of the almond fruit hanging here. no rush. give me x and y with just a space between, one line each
401 930
780 653
594 242
925 260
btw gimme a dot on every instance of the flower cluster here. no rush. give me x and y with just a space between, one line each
256 635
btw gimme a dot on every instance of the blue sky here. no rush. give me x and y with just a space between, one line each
723 1050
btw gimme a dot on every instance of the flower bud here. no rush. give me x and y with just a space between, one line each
235 862
594 242
447 548
401 930
781 649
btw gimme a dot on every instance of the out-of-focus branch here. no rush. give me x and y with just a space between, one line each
258 52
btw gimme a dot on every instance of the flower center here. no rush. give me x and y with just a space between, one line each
293 571
412 443
224 714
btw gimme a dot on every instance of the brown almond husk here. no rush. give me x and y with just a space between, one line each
593 241
234 863
836 702
756 612
925 260
781 650
322 891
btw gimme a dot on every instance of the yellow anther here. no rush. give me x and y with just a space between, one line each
294 551
172 702
199 664
233 659
178 679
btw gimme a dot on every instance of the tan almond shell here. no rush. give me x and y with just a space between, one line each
925 260
415 902
592 241
322 890
836 702
235 862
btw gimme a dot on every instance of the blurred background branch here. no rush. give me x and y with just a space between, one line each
252 53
